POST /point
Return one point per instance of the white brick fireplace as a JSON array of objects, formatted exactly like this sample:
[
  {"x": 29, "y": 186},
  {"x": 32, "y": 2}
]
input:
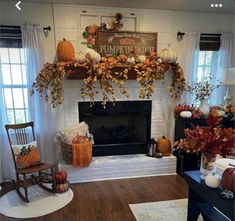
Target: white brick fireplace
[{"x": 160, "y": 104}]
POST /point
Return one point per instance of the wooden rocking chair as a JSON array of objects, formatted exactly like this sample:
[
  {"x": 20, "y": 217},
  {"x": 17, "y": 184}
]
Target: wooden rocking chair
[{"x": 21, "y": 134}]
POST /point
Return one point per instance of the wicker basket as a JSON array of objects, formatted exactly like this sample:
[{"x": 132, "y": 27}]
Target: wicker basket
[
  {"x": 85, "y": 154},
  {"x": 67, "y": 152}
]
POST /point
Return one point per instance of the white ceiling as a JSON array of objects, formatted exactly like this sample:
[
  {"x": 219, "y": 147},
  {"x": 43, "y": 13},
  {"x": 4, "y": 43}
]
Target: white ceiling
[{"x": 185, "y": 5}]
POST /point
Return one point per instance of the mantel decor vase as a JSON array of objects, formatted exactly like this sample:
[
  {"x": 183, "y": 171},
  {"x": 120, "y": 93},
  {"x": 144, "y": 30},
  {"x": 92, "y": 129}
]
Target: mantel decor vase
[
  {"x": 204, "y": 107},
  {"x": 207, "y": 164}
]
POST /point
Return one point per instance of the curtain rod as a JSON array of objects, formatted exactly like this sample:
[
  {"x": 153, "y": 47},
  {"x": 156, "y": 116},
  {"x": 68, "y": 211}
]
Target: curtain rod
[
  {"x": 48, "y": 28},
  {"x": 181, "y": 34}
]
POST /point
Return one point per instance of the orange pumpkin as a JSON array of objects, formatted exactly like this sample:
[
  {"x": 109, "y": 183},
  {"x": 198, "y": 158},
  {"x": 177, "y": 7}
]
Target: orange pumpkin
[
  {"x": 92, "y": 29},
  {"x": 147, "y": 61},
  {"x": 80, "y": 139},
  {"x": 164, "y": 146},
  {"x": 65, "y": 51},
  {"x": 104, "y": 59},
  {"x": 122, "y": 57},
  {"x": 152, "y": 54},
  {"x": 111, "y": 59},
  {"x": 228, "y": 179},
  {"x": 178, "y": 109}
]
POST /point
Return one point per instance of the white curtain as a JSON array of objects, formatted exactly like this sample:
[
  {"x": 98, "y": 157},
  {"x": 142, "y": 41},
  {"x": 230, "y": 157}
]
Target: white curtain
[
  {"x": 189, "y": 54},
  {"x": 225, "y": 59},
  {"x": 7, "y": 171},
  {"x": 41, "y": 112}
]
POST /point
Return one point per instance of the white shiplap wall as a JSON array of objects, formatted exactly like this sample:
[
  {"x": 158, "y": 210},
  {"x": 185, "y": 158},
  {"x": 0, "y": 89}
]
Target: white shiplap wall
[{"x": 70, "y": 21}]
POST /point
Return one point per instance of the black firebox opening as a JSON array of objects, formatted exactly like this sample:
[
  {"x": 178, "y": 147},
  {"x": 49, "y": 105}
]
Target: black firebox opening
[{"x": 120, "y": 128}]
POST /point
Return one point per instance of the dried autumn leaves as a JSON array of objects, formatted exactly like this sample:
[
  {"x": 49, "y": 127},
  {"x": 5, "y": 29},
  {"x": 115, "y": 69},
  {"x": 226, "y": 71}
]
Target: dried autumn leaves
[
  {"x": 103, "y": 76},
  {"x": 48, "y": 83}
]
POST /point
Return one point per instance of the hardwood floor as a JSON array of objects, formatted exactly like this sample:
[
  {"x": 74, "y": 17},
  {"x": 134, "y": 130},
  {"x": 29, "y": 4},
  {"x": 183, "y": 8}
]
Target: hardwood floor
[{"x": 108, "y": 200}]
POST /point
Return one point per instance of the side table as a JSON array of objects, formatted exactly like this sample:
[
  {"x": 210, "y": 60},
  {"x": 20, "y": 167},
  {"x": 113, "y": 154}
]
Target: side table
[{"x": 204, "y": 200}]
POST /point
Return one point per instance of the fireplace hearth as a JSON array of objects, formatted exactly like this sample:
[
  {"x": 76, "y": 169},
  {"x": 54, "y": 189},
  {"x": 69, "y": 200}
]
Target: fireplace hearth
[{"x": 123, "y": 128}]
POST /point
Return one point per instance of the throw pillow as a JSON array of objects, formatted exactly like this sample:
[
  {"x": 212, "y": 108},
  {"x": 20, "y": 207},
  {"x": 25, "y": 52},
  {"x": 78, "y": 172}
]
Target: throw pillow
[{"x": 26, "y": 155}]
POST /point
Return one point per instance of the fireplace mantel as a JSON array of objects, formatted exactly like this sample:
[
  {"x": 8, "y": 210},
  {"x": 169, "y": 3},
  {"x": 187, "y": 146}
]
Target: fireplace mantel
[{"x": 81, "y": 73}]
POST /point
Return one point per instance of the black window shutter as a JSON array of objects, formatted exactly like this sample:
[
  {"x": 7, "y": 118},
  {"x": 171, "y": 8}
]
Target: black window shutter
[
  {"x": 10, "y": 36},
  {"x": 209, "y": 42}
]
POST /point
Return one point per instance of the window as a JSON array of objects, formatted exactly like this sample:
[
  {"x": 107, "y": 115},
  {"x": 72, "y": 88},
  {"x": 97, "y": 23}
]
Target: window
[
  {"x": 13, "y": 85},
  {"x": 205, "y": 64}
]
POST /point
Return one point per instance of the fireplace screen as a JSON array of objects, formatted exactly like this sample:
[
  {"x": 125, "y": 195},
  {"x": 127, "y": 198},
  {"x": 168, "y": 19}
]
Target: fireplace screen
[{"x": 127, "y": 123}]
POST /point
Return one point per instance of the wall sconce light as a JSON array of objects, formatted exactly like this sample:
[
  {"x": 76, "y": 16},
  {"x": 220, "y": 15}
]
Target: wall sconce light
[{"x": 180, "y": 35}]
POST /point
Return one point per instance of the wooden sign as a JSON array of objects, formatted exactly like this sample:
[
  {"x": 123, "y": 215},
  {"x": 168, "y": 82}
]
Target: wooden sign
[{"x": 125, "y": 42}]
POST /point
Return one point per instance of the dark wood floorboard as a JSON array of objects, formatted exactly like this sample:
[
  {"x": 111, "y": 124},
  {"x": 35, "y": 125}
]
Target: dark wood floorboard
[{"x": 108, "y": 200}]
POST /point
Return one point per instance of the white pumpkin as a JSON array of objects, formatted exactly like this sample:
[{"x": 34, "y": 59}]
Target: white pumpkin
[
  {"x": 131, "y": 60},
  {"x": 213, "y": 180},
  {"x": 142, "y": 58},
  {"x": 109, "y": 26},
  {"x": 168, "y": 55},
  {"x": 81, "y": 57},
  {"x": 93, "y": 54},
  {"x": 186, "y": 114}
]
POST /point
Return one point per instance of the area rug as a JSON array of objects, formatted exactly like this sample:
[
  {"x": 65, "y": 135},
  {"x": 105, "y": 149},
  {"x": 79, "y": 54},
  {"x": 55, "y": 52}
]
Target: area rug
[
  {"x": 41, "y": 203},
  {"x": 161, "y": 211}
]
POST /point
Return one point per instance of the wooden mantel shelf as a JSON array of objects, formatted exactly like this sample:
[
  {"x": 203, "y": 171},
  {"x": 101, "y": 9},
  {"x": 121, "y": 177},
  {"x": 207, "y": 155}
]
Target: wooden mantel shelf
[{"x": 81, "y": 73}]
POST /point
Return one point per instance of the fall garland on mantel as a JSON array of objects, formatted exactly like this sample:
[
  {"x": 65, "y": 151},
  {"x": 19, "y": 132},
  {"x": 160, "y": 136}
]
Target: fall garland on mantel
[
  {"x": 49, "y": 81},
  {"x": 107, "y": 71}
]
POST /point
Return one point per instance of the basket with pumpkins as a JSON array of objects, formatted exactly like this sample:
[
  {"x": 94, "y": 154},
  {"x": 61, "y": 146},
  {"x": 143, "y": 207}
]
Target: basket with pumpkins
[{"x": 76, "y": 145}]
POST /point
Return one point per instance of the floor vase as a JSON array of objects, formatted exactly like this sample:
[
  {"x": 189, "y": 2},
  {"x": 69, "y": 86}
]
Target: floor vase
[{"x": 204, "y": 107}]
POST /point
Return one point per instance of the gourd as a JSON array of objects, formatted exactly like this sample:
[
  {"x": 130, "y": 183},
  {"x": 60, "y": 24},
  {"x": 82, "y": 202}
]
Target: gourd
[
  {"x": 164, "y": 146},
  {"x": 186, "y": 114},
  {"x": 168, "y": 55},
  {"x": 212, "y": 180},
  {"x": 65, "y": 51},
  {"x": 228, "y": 179}
]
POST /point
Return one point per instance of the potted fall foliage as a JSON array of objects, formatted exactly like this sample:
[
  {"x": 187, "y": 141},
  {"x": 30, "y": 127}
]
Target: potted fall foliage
[{"x": 210, "y": 141}]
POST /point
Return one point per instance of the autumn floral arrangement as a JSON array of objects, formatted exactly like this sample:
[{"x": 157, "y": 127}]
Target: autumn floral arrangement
[
  {"x": 48, "y": 83},
  {"x": 203, "y": 89},
  {"x": 211, "y": 139},
  {"x": 90, "y": 31}
]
